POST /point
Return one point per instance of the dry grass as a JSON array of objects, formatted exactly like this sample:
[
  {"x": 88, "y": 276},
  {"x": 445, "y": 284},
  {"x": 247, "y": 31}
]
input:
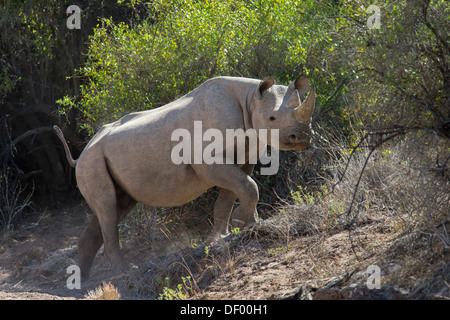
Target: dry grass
[
  {"x": 400, "y": 185},
  {"x": 106, "y": 291}
]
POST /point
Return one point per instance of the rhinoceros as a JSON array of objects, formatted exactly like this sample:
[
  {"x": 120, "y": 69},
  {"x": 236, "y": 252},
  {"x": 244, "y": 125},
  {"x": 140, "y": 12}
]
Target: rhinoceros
[{"x": 129, "y": 160}]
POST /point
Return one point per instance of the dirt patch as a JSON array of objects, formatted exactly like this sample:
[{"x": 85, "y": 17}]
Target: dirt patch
[
  {"x": 34, "y": 258},
  {"x": 261, "y": 263}
]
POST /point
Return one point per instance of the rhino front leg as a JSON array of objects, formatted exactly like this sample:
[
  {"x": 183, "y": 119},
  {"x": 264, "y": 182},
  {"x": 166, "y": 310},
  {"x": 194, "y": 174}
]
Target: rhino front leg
[
  {"x": 235, "y": 182},
  {"x": 240, "y": 217}
]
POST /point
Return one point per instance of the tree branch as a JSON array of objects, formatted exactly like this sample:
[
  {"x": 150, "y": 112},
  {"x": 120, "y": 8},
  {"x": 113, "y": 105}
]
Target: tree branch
[{"x": 24, "y": 135}]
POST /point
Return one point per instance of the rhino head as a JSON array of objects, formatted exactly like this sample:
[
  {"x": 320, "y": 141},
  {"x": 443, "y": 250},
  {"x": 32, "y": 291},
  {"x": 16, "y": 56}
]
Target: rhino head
[{"x": 280, "y": 107}]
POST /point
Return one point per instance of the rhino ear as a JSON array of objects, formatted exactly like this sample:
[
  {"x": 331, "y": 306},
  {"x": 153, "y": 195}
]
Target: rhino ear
[
  {"x": 302, "y": 85},
  {"x": 264, "y": 85}
]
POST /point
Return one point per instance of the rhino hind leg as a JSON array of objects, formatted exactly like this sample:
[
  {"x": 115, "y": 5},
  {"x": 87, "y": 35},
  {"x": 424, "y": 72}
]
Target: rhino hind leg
[
  {"x": 92, "y": 238},
  {"x": 222, "y": 212},
  {"x": 100, "y": 192},
  {"x": 90, "y": 242}
]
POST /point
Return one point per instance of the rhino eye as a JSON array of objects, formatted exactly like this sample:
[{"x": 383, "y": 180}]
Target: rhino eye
[{"x": 272, "y": 118}]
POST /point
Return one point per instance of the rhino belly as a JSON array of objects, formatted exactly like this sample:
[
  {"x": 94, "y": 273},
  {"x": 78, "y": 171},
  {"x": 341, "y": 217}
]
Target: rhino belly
[{"x": 162, "y": 186}]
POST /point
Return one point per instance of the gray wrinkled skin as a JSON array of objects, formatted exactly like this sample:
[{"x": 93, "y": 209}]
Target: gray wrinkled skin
[{"x": 129, "y": 161}]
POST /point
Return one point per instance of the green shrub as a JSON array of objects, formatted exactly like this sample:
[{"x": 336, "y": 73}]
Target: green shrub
[{"x": 183, "y": 43}]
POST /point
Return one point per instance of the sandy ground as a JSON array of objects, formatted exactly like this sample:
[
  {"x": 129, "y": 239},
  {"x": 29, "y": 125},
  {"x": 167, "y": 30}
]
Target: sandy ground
[{"x": 35, "y": 257}]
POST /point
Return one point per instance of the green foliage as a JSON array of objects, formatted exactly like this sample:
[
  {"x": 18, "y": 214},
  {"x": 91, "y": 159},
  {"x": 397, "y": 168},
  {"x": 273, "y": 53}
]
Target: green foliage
[
  {"x": 236, "y": 231},
  {"x": 35, "y": 50},
  {"x": 278, "y": 250},
  {"x": 206, "y": 252},
  {"x": 303, "y": 197},
  {"x": 179, "y": 293},
  {"x": 359, "y": 72},
  {"x": 7, "y": 83},
  {"x": 400, "y": 71},
  {"x": 183, "y": 43}
]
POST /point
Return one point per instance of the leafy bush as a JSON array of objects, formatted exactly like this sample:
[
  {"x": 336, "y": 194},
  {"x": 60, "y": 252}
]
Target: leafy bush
[
  {"x": 400, "y": 72},
  {"x": 183, "y": 43}
]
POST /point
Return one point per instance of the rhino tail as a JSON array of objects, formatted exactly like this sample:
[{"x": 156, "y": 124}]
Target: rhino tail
[{"x": 60, "y": 135}]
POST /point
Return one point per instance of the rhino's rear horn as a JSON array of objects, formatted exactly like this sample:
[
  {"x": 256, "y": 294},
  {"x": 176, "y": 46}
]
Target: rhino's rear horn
[
  {"x": 304, "y": 112},
  {"x": 264, "y": 85}
]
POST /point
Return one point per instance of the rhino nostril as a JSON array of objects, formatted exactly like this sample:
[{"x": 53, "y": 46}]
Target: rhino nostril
[{"x": 292, "y": 137}]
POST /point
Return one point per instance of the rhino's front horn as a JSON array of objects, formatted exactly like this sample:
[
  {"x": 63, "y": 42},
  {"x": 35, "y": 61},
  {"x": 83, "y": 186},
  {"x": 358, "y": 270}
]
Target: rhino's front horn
[{"x": 304, "y": 112}]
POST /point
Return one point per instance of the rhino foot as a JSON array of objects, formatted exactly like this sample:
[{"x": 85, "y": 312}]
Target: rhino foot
[
  {"x": 240, "y": 219},
  {"x": 121, "y": 265},
  {"x": 237, "y": 223}
]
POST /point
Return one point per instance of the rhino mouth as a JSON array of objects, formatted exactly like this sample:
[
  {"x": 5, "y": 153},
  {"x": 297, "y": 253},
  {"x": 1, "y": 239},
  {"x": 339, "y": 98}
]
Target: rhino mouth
[{"x": 288, "y": 145}]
